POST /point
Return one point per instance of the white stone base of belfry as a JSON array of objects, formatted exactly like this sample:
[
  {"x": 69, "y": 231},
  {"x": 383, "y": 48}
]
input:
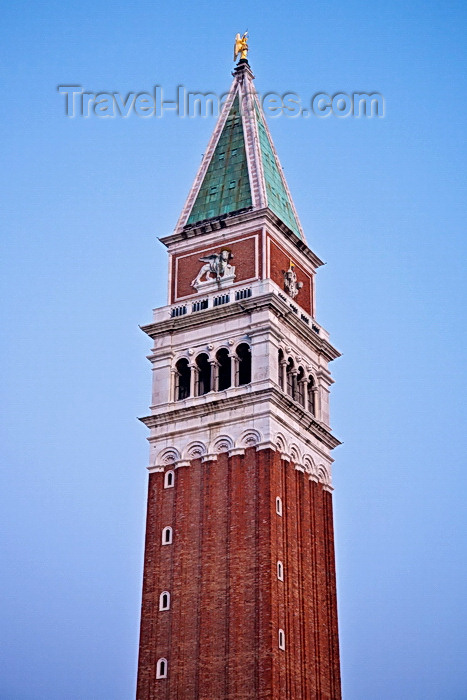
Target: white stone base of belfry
[{"x": 220, "y": 426}]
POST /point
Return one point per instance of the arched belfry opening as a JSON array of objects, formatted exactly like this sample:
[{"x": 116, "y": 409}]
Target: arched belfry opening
[
  {"x": 204, "y": 374},
  {"x": 244, "y": 364},
  {"x": 280, "y": 369},
  {"x": 224, "y": 369},
  {"x": 301, "y": 389},
  {"x": 291, "y": 378},
  {"x": 182, "y": 379},
  {"x": 311, "y": 389}
]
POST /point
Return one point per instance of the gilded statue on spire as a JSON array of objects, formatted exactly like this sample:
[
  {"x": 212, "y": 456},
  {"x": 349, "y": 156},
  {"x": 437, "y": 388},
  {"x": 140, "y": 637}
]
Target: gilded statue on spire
[{"x": 241, "y": 47}]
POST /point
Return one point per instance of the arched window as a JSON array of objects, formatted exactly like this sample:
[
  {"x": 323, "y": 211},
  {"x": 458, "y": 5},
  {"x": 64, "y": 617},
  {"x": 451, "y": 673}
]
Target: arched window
[
  {"x": 167, "y": 535},
  {"x": 281, "y": 640},
  {"x": 301, "y": 386},
  {"x": 291, "y": 378},
  {"x": 182, "y": 379},
  {"x": 311, "y": 395},
  {"x": 280, "y": 378},
  {"x": 279, "y": 506},
  {"x": 169, "y": 479},
  {"x": 161, "y": 668},
  {"x": 204, "y": 374},
  {"x": 244, "y": 364},
  {"x": 164, "y": 600},
  {"x": 224, "y": 369},
  {"x": 280, "y": 571}
]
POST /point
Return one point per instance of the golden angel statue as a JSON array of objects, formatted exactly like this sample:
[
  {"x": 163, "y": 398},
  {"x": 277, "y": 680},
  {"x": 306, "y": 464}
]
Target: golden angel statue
[{"x": 241, "y": 46}]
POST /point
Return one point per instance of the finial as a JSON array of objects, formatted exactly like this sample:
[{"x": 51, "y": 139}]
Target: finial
[{"x": 241, "y": 47}]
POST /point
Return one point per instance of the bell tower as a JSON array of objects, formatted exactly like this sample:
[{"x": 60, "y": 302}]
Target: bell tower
[{"x": 239, "y": 592}]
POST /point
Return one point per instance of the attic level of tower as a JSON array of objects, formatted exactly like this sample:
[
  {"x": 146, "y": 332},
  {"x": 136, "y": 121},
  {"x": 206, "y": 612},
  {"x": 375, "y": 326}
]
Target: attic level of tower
[{"x": 230, "y": 260}]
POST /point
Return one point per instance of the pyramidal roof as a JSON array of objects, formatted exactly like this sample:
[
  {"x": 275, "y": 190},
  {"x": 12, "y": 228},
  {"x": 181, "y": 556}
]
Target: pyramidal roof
[{"x": 240, "y": 169}]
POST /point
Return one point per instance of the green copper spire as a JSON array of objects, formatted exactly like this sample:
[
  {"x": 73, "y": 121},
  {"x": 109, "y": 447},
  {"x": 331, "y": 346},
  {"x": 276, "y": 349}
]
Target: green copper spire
[
  {"x": 226, "y": 186},
  {"x": 240, "y": 168},
  {"x": 277, "y": 196}
]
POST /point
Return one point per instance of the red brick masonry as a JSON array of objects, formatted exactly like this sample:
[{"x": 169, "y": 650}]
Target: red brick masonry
[
  {"x": 220, "y": 636},
  {"x": 185, "y": 266},
  {"x": 279, "y": 263}
]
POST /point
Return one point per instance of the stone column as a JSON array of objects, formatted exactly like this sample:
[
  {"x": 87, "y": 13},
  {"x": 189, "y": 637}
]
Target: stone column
[
  {"x": 233, "y": 369},
  {"x": 214, "y": 375},
  {"x": 193, "y": 379},
  {"x": 294, "y": 373},
  {"x": 174, "y": 379},
  {"x": 304, "y": 384},
  {"x": 284, "y": 375}
]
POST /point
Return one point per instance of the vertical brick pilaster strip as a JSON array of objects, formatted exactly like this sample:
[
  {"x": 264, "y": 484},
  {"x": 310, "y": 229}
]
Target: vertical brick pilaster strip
[
  {"x": 307, "y": 590},
  {"x": 236, "y": 578},
  {"x": 323, "y": 591},
  {"x": 267, "y": 463},
  {"x": 213, "y": 598},
  {"x": 147, "y": 650},
  {"x": 334, "y": 661},
  {"x": 286, "y": 611},
  {"x": 279, "y": 593},
  {"x": 162, "y": 580},
  {"x": 314, "y": 487},
  {"x": 323, "y": 595},
  {"x": 243, "y": 653},
  {"x": 142, "y": 680},
  {"x": 295, "y": 649},
  {"x": 202, "y": 498},
  {"x": 302, "y": 612},
  {"x": 206, "y": 603},
  {"x": 278, "y": 552},
  {"x": 228, "y": 578},
  {"x": 288, "y": 529},
  {"x": 166, "y": 583},
  {"x": 185, "y": 595}
]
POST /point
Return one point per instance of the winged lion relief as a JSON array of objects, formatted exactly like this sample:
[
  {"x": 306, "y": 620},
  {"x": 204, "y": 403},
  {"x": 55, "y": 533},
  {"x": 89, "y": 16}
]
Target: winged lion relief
[{"x": 216, "y": 268}]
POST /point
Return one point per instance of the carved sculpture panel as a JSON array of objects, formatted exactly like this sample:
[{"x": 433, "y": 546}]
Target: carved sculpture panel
[
  {"x": 216, "y": 269},
  {"x": 291, "y": 284}
]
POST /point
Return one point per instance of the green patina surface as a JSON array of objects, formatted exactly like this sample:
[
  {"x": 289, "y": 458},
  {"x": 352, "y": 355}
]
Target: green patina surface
[
  {"x": 278, "y": 199},
  {"x": 226, "y": 186}
]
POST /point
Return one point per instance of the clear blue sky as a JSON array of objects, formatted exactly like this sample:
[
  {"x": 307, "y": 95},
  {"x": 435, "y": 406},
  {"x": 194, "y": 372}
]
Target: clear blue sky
[{"x": 382, "y": 201}]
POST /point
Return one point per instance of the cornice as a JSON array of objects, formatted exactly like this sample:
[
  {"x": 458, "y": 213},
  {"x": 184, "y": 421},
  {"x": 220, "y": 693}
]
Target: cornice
[
  {"x": 264, "y": 216},
  {"x": 221, "y": 313},
  {"x": 271, "y": 394},
  {"x": 305, "y": 419}
]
